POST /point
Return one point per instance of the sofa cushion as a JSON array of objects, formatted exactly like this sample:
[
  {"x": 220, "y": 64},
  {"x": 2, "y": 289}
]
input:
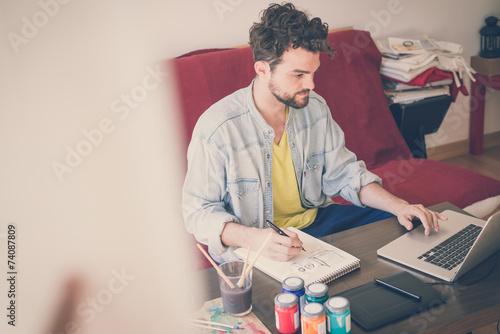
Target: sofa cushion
[
  {"x": 431, "y": 182},
  {"x": 204, "y": 77},
  {"x": 352, "y": 87}
]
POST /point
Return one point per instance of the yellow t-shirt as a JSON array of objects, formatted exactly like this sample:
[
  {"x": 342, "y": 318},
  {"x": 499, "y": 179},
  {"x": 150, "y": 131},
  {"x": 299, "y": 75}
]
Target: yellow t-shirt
[{"x": 288, "y": 210}]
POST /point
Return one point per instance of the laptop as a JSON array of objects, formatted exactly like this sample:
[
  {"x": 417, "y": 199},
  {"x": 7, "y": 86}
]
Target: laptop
[{"x": 461, "y": 243}]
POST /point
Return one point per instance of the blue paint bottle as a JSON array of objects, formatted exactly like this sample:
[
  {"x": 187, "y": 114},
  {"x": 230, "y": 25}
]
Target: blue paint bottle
[{"x": 295, "y": 285}]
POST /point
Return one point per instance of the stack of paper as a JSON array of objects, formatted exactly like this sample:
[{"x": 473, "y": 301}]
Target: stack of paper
[
  {"x": 416, "y": 69},
  {"x": 403, "y": 93}
]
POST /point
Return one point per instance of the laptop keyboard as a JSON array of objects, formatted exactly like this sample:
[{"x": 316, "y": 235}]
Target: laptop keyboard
[{"x": 451, "y": 252}]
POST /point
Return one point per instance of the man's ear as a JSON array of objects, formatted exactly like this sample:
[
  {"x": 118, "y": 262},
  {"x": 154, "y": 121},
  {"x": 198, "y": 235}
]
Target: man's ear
[{"x": 262, "y": 68}]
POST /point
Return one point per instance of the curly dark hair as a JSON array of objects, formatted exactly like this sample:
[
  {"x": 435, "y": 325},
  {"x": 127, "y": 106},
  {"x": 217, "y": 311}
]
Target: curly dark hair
[{"x": 282, "y": 27}]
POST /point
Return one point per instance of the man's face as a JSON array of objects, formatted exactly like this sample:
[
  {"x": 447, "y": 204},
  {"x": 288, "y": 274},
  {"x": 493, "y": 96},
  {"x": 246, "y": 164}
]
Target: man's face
[{"x": 292, "y": 79}]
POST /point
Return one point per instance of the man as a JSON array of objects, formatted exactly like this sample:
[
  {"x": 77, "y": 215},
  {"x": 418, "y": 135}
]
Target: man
[{"x": 272, "y": 151}]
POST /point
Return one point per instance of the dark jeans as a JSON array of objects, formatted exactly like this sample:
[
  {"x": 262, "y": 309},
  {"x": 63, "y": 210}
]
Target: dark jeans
[{"x": 336, "y": 218}]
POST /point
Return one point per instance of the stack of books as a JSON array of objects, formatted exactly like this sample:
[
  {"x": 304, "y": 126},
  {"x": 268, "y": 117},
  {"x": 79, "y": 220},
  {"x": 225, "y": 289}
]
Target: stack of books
[
  {"x": 397, "y": 92},
  {"x": 417, "y": 69}
]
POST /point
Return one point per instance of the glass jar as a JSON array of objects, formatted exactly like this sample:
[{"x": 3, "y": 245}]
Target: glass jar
[
  {"x": 338, "y": 315},
  {"x": 286, "y": 311},
  {"x": 313, "y": 319},
  {"x": 295, "y": 285},
  {"x": 317, "y": 293}
]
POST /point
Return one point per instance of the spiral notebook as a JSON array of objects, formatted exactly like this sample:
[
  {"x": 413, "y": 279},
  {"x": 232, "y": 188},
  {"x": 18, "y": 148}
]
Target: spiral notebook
[{"x": 321, "y": 262}]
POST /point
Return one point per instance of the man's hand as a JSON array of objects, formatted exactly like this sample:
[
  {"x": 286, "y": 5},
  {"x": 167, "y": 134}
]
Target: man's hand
[
  {"x": 377, "y": 197},
  {"x": 279, "y": 247},
  {"x": 429, "y": 218}
]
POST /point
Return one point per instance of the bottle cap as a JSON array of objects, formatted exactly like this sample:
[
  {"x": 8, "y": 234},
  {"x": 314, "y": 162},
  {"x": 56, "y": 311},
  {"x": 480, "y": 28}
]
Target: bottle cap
[
  {"x": 337, "y": 304},
  {"x": 317, "y": 289},
  {"x": 286, "y": 300},
  {"x": 313, "y": 310},
  {"x": 293, "y": 284}
]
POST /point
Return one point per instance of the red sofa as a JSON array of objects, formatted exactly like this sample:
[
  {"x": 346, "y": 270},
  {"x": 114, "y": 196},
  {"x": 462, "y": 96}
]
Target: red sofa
[{"x": 352, "y": 87}]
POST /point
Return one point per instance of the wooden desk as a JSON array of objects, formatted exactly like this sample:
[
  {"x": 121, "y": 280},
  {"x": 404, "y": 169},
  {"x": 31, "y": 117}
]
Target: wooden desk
[
  {"x": 477, "y": 102},
  {"x": 467, "y": 307}
]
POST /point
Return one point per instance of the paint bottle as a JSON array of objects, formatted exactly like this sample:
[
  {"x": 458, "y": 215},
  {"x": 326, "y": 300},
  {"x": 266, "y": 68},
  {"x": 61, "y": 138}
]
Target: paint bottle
[
  {"x": 313, "y": 319},
  {"x": 338, "y": 315},
  {"x": 286, "y": 312},
  {"x": 316, "y": 293},
  {"x": 295, "y": 285}
]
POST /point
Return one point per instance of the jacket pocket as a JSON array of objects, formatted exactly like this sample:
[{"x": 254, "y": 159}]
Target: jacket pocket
[
  {"x": 244, "y": 199},
  {"x": 315, "y": 163}
]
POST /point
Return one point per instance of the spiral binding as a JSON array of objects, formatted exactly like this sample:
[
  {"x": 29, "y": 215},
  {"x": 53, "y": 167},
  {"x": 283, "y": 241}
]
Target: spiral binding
[{"x": 339, "y": 272}]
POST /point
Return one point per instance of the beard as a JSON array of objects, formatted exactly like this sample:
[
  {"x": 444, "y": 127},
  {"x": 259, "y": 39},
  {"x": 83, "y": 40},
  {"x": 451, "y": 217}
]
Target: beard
[{"x": 291, "y": 100}]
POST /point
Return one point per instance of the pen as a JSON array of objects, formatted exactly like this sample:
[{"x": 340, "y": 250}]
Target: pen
[
  {"x": 280, "y": 231},
  {"x": 395, "y": 288}
]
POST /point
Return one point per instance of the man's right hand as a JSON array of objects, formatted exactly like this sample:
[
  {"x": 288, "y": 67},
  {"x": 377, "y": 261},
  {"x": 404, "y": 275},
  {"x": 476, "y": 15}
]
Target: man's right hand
[{"x": 279, "y": 247}]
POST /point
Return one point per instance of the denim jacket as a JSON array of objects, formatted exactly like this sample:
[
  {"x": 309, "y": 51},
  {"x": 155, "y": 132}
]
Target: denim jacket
[{"x": 230, "y": 166}]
